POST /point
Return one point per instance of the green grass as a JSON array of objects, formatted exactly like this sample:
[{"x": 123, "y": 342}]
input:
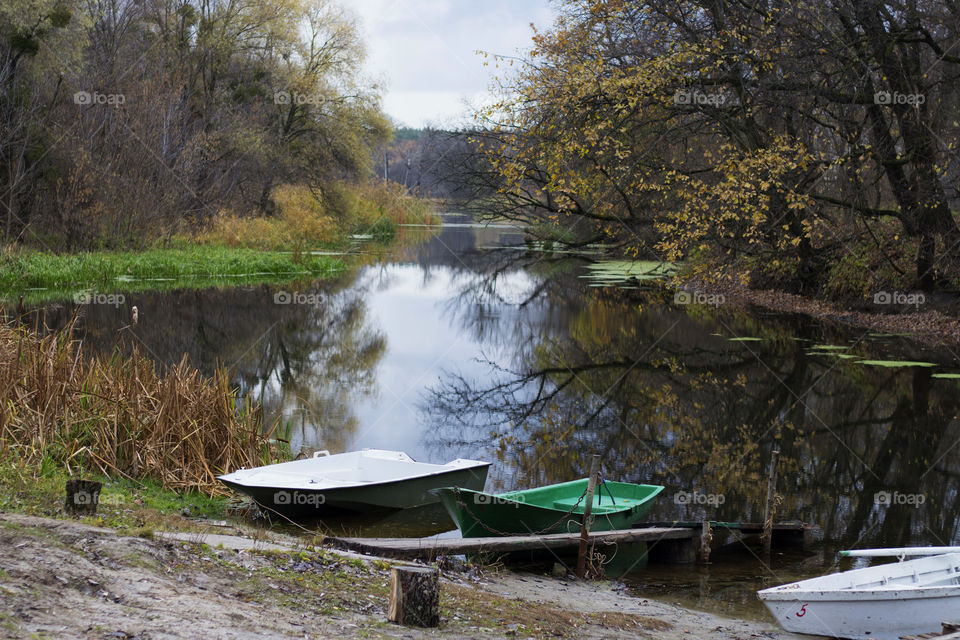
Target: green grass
[
  {"x": 128, "y": 505},
  {"x": 42, "y": 276}
]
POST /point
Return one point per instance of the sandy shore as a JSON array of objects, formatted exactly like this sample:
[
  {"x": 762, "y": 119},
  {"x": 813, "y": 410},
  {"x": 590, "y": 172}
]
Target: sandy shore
[{"x": 65, "y": 579}]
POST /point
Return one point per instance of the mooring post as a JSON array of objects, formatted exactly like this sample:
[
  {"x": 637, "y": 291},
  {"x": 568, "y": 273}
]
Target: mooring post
[
  {"x": 768, "y": 515},
  {"x": 587, "y": 510},
  {"x": 706, "y": 540}
]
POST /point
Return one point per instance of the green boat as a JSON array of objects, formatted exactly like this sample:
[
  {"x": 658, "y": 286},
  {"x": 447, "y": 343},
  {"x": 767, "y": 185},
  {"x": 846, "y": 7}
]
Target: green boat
[{"x": 555, "y": 508}]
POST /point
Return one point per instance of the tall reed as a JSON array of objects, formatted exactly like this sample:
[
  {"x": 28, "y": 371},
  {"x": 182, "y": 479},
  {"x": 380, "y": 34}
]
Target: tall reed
[{"x": 120, "y": 415}]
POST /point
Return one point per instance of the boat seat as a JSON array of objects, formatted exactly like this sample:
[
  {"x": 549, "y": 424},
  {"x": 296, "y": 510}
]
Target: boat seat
[{"x": 567, "y": 503}]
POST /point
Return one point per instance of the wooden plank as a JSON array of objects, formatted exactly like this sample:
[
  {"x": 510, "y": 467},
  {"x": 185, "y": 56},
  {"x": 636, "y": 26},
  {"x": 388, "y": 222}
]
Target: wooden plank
[
  {"x": 432, "y": 547},
  {"x": 743, "y": 526}
]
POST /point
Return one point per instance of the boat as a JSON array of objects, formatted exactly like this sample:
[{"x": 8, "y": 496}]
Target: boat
[
  {"x": 555, "y": 508},
  {"x": 899, "y": 552},
  {"x": 883, "y": 602},
  {"x": 357, "y": 481}
]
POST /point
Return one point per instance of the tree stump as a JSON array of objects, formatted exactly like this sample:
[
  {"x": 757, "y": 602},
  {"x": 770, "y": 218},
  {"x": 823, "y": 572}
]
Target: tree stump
[
  {"x": 82, "y": 497},
  {"x": 414, "y": 596}
]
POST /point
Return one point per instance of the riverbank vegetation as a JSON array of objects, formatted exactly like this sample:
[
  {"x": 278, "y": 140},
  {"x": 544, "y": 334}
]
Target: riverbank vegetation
[
  {"x": 121, "y": 416},
  {"x": 151, "y": 268},
  {"x": 800, "y": 145},
  {"x": 131, "y": 126}
]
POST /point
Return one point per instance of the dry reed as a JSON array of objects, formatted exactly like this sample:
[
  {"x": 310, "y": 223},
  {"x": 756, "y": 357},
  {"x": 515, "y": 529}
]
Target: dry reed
[{"x": 120, "y": 416}]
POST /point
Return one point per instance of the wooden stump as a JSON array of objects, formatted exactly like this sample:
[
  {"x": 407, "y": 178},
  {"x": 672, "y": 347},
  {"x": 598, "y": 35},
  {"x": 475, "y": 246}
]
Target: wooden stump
[
  {"x": 414, "y": 596},
  {"x": 82, "y": 497}
]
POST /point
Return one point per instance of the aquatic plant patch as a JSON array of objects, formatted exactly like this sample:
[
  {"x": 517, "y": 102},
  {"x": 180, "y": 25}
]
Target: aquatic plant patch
[
  {"x": 893, "y": 364},
  {"x": 612, "y": 273}
]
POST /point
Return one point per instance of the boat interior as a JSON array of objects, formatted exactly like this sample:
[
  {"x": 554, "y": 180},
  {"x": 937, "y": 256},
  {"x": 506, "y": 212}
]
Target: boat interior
[
  {"x": 609, "y": 496},
  {"x": 932, "y": 571},
  {"x": 354, "y": 468}
]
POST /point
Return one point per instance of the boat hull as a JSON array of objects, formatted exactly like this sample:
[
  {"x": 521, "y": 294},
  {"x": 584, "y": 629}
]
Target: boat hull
[
  {"x": 886, "y": 619},
  {"x": 480, "y": 514},
  {"x": 883, "y": 602},
  {"x": 305, "y": 497}
]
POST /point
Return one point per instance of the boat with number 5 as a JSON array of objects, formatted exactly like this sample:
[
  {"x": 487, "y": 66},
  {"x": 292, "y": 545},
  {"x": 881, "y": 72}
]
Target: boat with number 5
[
  {"x": 883, "y": 602},
  {"x": 555, "y": 508}
]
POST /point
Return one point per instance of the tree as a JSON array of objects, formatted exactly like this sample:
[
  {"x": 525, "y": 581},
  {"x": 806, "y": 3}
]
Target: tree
[{"x": 778, "y": 135}]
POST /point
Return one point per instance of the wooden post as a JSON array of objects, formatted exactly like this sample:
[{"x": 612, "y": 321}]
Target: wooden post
[
  {"x": 771, "y": 506},
  {"x": 414, "y": 596},
  {"x": 706, "y": 538},
  {"x": 82, "y": 497},
  {"x": 587, "y": 510}
]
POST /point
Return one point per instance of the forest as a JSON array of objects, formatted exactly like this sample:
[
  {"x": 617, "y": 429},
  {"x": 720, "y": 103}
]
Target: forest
[{"x": 122, "y": 122}]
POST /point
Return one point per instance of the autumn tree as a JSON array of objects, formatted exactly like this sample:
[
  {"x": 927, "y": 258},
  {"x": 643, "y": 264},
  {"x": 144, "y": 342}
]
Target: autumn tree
[{"x": 773, "y": 138}]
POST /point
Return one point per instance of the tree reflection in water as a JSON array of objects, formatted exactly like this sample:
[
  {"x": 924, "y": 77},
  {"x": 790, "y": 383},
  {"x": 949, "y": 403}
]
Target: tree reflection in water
[
  {"x": 665, "y": 397},
  {"x": 302, "y": 360}
]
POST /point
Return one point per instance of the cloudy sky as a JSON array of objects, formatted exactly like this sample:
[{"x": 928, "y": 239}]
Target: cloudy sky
[{"x": 423, "y": 51}]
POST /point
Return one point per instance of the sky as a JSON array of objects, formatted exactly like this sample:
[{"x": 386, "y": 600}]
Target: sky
[{"x": 423, "y": 51}]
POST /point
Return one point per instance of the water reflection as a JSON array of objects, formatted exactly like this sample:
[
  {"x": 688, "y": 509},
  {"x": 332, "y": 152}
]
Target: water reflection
[
  {"x": 306, "y": 352},
  {"x": 664, "y": 395}
]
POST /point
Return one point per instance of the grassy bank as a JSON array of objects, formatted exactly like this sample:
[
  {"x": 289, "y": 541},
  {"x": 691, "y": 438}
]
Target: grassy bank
[
  {"x": 303, "y": 221},
  {"x": 196, "y": 266},
  {"x": 230, "y": 249},
  {"x": 131, "y": 506}
]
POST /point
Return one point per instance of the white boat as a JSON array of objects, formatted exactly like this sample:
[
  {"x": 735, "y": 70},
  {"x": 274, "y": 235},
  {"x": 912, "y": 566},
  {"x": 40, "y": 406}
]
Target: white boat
[
  {"x": 899, "y": 552},
  {"x": 367, "y": 480},
  {"x": 882, "y": 602}
]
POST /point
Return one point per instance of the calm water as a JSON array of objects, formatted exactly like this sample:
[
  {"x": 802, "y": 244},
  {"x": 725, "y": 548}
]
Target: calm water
[{"x": 462, "y": 346}]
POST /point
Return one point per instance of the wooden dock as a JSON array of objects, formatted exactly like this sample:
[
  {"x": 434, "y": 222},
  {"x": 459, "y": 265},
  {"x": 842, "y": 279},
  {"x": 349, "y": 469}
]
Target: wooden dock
[
  {"x": 430, "y": 548},
  {"x": 668, "y": 542},
  {"x": 798, "y": 534}
]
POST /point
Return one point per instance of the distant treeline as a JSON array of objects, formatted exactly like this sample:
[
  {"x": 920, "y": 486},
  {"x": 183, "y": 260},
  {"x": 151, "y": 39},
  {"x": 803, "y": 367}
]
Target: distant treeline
[{"x": 122, "y": 120}]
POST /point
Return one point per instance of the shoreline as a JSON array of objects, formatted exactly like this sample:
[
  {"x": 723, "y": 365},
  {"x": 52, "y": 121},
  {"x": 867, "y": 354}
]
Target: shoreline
[
  {"x": 931, "y": 326},
  {"x": 256, "y": 584}
]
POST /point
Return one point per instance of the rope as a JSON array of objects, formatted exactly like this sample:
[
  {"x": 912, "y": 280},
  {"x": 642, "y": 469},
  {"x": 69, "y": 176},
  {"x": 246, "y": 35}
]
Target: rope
[{"x": 463, "y": 507}]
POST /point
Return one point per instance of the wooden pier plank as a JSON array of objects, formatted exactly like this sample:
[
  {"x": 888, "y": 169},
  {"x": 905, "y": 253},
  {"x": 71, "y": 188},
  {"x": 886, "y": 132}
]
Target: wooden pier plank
[
  {"x": 432, "y": 547},
  {"x": 742, "y": 526}
]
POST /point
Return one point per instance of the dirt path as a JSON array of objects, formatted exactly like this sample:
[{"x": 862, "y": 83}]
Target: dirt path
[{"x": 64, "y": 579}]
